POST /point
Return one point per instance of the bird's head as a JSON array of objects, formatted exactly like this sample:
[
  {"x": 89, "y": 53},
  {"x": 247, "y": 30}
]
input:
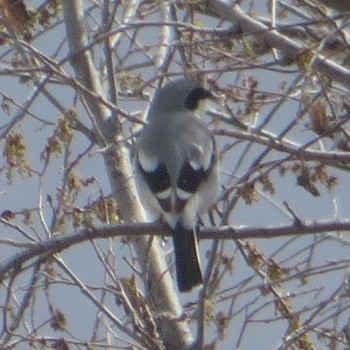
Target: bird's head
[{"x": 179, "y": 95}]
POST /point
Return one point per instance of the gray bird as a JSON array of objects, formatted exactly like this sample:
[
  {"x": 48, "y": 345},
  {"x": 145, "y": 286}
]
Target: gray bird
[{"x": 177, "y": 170}]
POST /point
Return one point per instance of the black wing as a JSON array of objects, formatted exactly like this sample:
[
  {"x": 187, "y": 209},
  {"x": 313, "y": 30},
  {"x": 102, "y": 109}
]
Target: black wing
[
  {"x": 189, "y": 180},
  {"x": 158, "y": 181}
]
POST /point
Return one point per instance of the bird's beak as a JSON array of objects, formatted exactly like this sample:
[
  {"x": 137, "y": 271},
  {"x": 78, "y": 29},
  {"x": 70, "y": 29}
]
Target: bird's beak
[{"x": 216, "y": 99}]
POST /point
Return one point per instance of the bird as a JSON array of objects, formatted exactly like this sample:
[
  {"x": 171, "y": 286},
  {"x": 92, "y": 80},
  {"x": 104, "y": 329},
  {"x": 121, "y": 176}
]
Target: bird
[{"x": 177, "y": 170}]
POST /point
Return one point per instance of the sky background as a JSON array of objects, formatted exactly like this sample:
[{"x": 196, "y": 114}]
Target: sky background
[{"x": 269, "y": 210}]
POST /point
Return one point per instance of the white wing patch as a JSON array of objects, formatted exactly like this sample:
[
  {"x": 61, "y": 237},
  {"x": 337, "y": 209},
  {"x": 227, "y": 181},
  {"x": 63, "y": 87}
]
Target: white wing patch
[
  {"x": 148, "y": 163},
  {"x": 164, "y": 194},
  {"x": 184, "y": 195},
  {"x": 200, "y": 157}
]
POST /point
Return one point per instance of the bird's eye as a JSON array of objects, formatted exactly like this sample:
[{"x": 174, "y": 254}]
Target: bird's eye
[{"x": 196, "y": 95}]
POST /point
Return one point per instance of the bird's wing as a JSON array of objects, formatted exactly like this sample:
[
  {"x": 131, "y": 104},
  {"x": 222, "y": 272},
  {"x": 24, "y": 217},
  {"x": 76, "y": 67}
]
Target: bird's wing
[
  {"x": 156, "y": 176},
  {"x": 199, "y": 162}
]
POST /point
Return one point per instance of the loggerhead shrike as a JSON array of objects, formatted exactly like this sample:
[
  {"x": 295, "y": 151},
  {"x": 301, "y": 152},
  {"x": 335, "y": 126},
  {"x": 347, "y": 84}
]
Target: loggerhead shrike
[{"x": 177, "y": 170}]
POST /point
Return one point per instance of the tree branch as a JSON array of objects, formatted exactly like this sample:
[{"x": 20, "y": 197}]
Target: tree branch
[
  {"x": 175, "y": 333},
  {"x": 57, "y": 245},
  {"x": 288, "y": 47}
]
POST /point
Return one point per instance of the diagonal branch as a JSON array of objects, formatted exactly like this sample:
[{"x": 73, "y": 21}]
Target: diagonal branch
[
  {"x": 275, "y": 39},
  {"x": 175, "y": 333}
]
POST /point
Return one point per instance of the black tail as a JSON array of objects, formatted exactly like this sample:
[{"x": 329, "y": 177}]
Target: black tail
[{"x": 187, "y": 262}]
